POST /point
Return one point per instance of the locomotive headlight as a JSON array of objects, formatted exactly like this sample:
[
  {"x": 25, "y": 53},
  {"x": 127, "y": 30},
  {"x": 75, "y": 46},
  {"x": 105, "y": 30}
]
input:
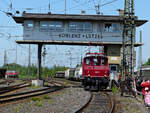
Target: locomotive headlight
[{"x": 88, "y": 75}]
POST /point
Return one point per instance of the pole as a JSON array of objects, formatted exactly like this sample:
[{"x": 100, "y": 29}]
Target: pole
[
  {"x": 5, "y": 58},
  {"x": 39, "y": 61},
  {"x": 132, "y": 38},
  {"x": 140, "y": 55},
  {"x": 29, "y": 63},
  {"x": 124, "y": 42},
  {"x": 128, "y": 33},
  {"x": 29, "y": 59},
  {"x": 65, "y": 6},
  {"x": 16, "y": 58}
]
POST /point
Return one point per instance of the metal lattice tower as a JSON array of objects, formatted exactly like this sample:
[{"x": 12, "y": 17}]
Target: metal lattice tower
[{"x": 128, "y": 37}]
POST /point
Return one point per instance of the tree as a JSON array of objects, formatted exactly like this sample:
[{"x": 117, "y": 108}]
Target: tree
[
  {"x": 148, "y": 62},
  {"x": 23, "y": 70}
]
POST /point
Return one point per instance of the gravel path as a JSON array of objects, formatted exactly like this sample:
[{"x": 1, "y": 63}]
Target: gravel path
[
  {"x": 65, "y": 101},
  {"x": 128, "y": 104}
]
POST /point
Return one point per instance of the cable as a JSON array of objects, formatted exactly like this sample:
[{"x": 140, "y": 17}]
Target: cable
[
  {"x": 41, "y": 7},
  {"x": 76, "y": 1},
  {"x": 108, "y": 3},
  {"x": 86, "y": 2},
  {"x": 94, "y": 2}
]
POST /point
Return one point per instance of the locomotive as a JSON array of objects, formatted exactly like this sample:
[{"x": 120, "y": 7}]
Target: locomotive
[{"x": 95, "y": 70}]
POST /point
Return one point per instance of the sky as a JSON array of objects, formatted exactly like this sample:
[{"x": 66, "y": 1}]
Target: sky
[{"x": 59, "y": 55}]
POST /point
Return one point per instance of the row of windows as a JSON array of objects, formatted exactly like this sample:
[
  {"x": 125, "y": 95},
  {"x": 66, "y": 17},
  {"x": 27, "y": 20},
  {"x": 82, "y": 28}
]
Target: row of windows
[
  {"x": 57, "y": 26},
  {"x": 80, "y": 27},
  {"x": 95, "y": 61},
  {"x": 52, "y": 26}
]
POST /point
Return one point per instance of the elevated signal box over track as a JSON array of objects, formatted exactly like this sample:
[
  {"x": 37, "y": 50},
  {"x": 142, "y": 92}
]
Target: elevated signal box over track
[{"x": 71, "y": 29}]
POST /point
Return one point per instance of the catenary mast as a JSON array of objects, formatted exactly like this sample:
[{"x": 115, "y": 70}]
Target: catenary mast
[{"x": 128, "y": 38}]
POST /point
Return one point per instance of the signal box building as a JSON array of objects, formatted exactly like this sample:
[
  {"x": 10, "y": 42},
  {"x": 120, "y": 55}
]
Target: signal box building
[{"x": 67, "y": 29}]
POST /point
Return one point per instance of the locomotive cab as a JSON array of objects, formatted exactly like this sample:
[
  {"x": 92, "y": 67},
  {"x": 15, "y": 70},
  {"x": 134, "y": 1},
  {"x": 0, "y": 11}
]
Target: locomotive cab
[{"x": 95, "y": 70}]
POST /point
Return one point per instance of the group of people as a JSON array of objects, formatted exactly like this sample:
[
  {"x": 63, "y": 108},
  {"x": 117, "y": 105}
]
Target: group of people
[
  {"x": 142, "y": 86},
  {"x": 127, "y": 85}
]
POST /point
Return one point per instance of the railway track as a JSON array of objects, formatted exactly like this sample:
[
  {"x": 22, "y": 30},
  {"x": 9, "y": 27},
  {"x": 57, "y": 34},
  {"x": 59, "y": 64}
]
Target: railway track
[
  {"x": 100, "y": 102},
  {"x": 22, "y": 95},
  {"x": 68, "y": 82},
  {"x": 6, "y": 81},
  {"x": 7, "y": 89}
]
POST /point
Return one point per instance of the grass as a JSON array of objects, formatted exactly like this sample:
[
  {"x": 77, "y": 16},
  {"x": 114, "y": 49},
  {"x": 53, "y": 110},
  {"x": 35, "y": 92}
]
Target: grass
[
  {"x": 66, "y": 83},
  {"x": 26, "y": 76},
  {"x": 34, "y": 87},
  {"x": 46, "y": 97},
  {"x": 58, "y": 94},
  {"x": 45, "y": 83},
  {"x": 50, "y": 101},
  {"x": 127, "y": 108},
  {"x": 16, "y": 108},
  {"x": 114, "y": 90},
  {"x": 39, "y": 103},
  {"x": 36, "y": 99},
  {"x": 20, "y": 81}
]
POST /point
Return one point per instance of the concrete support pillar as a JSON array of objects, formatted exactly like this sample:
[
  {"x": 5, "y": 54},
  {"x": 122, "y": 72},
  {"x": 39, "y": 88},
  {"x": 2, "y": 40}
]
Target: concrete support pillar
[{"x": 39, "y": 61}]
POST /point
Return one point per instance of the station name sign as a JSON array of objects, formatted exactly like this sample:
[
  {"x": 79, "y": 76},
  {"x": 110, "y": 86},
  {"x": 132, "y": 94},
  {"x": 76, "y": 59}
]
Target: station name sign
[
  {"x": 67, "y": 36},
  {"x": 78, "y": 35}
]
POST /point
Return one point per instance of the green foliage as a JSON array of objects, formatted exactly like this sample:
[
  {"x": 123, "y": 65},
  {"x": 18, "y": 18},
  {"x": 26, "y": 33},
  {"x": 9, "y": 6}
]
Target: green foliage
[
  {"x": 50, "y": 101},
  {"x": 148, "y": 62},
  {"x": 31, "y": 71},
  {"x": 55, "y": 69},
  {"x": 46, "y": 83},
  {"x": 16, "y": 108},
  {"x": 36, "y": 99},
  {"x": 114, "y": 90},
  {"x": 46, "y": 97},
  {"x": 39, "y": 103},
  {"x": 126, "y": 108},
  {"x": 78, "y": 65}
]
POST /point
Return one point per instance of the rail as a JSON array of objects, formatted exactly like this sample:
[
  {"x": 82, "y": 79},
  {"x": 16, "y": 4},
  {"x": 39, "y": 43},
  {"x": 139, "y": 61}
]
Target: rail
[{"x": 97, "y": 102}]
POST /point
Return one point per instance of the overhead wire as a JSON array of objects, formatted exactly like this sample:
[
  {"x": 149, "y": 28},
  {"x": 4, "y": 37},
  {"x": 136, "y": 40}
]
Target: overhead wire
[
  {"x": 86, "y": 2},
  {"x": 108, "y": 3},
  {"x": 43, "y": 7},
  {"x": 76, "y": 1},
  {"x": 94, "y": 2},
  {"x": 94, "y": 5}
]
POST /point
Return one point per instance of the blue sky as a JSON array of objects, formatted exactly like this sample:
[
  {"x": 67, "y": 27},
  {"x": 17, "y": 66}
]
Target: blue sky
[{"x": 56, "y": 53}]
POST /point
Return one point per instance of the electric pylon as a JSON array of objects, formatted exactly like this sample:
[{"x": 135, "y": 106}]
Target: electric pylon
[{"x": 128, "y": 37}]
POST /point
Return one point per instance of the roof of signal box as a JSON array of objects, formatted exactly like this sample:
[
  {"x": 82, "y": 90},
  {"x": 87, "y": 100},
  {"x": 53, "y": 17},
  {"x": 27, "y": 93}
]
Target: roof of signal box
[{"x": 76, "y": 17}]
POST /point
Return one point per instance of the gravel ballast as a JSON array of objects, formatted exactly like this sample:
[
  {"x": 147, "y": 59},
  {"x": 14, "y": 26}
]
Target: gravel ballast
[{"x": 67, "y": 100}]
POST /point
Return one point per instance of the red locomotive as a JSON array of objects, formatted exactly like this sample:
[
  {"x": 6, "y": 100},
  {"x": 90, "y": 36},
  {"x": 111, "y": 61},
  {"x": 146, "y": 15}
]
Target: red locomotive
[{"x": 95, "y": 70}]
